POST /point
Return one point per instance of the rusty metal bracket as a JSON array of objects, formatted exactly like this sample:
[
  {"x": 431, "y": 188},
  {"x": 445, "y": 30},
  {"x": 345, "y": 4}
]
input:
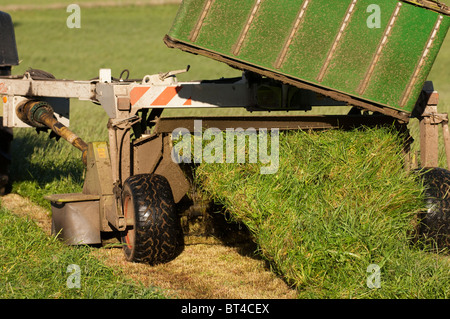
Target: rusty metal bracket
[
  {"x": 123, "y": 124},
  {"x": 429, "y": 132}
]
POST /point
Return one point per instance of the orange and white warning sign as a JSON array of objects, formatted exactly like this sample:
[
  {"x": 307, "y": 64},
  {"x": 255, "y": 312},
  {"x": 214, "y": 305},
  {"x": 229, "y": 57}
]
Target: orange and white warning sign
[
  {"x": 192, "y": 94},
  {"x": 146, "y": 96}
]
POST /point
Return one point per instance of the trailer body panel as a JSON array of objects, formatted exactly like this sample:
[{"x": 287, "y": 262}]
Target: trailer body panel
[{"x": 379, "y": 51}]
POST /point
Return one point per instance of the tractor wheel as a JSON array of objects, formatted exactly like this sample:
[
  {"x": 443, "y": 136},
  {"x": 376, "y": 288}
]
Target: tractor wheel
[
  {"x": 435, "y": 222},
  {"x": 154, "y": 233},
  {"x": 6, "y": 136}
]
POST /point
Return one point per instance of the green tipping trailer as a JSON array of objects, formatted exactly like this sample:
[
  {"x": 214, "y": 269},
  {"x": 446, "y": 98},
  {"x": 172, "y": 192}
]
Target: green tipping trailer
[{"x": 375, "y": 54}]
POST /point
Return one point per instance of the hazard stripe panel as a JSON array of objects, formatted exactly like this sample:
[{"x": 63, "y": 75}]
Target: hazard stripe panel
[
  {"x": 166, "y": 96},
  {"x": 189, "y": 94},
  {"x": 137, "y": 92}
]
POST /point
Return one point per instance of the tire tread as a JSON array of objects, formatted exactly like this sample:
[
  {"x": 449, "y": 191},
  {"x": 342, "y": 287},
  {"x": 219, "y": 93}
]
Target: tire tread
[{"x": 158, "y": 233}]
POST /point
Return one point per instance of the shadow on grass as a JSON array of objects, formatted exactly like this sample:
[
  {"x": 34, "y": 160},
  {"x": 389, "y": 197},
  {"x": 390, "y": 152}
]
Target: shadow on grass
[
  {"x": 26, "y": 166},
  {"x": 217, "y": 223},
  {"x": 211, "y": 220}
]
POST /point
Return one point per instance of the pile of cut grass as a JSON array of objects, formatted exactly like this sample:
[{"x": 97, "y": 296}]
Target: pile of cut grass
[
  {"x": 36, "y": 266},
  {"x": 340, "y": 201}
]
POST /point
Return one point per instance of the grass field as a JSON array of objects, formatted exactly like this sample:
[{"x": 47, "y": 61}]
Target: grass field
[
  {"x": 131, "y": 37},
  {"x": 36, "y": 266}
]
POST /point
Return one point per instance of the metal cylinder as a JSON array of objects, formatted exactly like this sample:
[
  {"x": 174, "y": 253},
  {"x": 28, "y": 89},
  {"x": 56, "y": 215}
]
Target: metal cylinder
[{"x": 40, "y": 114}]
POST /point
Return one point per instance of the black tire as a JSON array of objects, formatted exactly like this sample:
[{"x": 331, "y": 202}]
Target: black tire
[
  {"x": 6, "y": 136},
  {"x": 155, "y": 235},
  {"x": 435, "y": 223}
]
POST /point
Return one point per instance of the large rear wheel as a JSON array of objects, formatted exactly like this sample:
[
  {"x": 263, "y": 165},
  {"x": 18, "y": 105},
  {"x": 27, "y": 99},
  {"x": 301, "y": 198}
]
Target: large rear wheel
[{"x": 154, "y": 233}]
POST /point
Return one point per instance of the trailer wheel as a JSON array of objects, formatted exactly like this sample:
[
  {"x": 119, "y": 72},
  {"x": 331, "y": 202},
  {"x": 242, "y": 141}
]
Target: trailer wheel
[
  {"x": 154, "y": 234},
  {"x": 6, "y": 137},
  {"x": 435, "y": 222}
]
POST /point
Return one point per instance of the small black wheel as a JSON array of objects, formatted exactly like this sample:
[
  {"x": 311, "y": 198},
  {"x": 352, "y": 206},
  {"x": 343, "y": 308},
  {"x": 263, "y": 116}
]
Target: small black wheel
[
  {"x": 154, "y": 234},
  {"x": 435, "y": 222}
]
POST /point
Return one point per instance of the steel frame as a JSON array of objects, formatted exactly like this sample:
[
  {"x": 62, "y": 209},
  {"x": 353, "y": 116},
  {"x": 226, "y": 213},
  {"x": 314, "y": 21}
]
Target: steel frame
[{"x": 140, "y": 139}]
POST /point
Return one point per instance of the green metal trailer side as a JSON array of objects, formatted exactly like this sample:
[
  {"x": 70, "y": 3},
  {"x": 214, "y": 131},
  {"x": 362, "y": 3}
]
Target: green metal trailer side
[{"x": 378, "y": 51}]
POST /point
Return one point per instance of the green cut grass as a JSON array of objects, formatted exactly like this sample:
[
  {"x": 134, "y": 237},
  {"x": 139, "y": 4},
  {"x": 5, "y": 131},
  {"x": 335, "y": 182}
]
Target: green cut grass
[
  {"x": 35, "y": 266},
  {"x": 339, "y": 202}
]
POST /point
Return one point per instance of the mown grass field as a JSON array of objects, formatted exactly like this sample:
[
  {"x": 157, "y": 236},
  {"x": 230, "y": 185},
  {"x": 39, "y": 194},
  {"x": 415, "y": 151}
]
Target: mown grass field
[
  {"x": 36, "y": 266},
  {"x": 347, "y": 229}
]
